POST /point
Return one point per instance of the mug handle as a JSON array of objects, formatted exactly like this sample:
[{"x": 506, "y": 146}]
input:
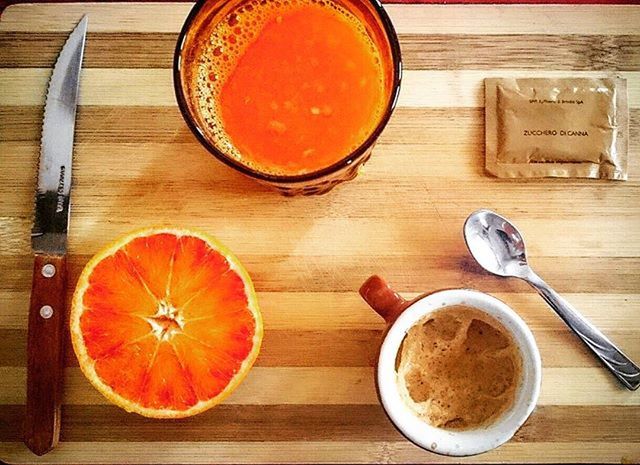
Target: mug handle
[{"x": 385, "y": 301}]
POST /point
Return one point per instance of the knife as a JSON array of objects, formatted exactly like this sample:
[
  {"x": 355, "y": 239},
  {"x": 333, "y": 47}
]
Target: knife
[{"x": 49, "y": 241}]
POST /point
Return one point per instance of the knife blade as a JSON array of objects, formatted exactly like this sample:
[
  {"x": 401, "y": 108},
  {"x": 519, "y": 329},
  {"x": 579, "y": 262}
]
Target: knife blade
[{"x": 49, "y": 243}]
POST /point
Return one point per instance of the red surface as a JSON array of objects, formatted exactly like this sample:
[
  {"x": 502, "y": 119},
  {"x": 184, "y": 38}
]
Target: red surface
[{"x": 5, "y": 3}]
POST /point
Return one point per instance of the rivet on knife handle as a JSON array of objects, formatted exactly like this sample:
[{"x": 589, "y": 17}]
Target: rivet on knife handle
[{"x": 45, "y": 353}]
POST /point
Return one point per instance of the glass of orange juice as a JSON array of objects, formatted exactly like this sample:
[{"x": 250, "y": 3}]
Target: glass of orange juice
[{"x": 293, "y": 93}]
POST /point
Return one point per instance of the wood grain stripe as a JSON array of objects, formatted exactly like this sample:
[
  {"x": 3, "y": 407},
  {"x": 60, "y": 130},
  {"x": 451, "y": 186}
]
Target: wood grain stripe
[
  {"x": 102, "y": 50},
  {"x": 419, "y": 52},
  {"x": 333, "y": 273},
  {"x": 142, "y": 124},
  {"x": 337, "y": 348},
  {"x": 306, "y": 311},
  {"x": 145, "y": 136},
  {"x": 617, "y": 238},
  {"x": 535, "y": 52},
  {"x": 344, "y": 386},
  {"x": 353, "y": 348},
  {"x": 407, "y": 19},
  {"x": 465, "y": 88},
  {"x": 312, "y": 423},
  {"x": 207, "y": 187},
  {"x": 154, "y": 87},
  {"x": 318, "y": 452}
]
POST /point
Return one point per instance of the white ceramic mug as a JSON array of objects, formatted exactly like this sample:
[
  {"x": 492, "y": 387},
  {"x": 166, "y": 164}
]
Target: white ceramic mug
[{"x": 400, "y": 316}]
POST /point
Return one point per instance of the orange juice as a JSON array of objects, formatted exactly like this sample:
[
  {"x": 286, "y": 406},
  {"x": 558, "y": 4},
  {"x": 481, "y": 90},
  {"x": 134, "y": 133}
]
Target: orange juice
[{"x": 289, "y": 87}]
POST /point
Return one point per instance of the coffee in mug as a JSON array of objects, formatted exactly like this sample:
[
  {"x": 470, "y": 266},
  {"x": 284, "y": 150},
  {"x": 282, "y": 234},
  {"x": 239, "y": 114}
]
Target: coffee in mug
[{"x": 458, "y": 368}]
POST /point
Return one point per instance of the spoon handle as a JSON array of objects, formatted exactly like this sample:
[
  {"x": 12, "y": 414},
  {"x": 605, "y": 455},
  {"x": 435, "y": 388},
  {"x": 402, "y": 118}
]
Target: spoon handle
[{"x": 618, "y": 363}]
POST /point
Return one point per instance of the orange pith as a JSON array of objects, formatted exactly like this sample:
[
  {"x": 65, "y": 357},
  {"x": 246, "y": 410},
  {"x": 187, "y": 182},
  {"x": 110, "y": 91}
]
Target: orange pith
[{"x": 165, "y": 322}]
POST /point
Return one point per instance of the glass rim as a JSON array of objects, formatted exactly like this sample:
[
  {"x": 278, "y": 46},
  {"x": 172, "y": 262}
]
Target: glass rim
[{"x": 354, "y": 155}]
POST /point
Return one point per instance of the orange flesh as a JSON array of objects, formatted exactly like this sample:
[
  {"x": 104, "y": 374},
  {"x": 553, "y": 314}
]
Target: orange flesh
[
  {"x": 166, "y": 321},
  {"x": 305, "y": 92}
]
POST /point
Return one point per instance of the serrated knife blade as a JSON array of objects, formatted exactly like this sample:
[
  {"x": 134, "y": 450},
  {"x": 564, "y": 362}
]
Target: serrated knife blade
[
  {"x": 56, "y": 148},
  {"x": 49, "y": 241}
]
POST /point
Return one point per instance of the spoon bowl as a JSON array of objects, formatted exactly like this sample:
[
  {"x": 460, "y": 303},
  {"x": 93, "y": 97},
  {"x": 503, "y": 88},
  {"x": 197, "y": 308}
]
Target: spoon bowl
[{"x": 496, "y": 244}]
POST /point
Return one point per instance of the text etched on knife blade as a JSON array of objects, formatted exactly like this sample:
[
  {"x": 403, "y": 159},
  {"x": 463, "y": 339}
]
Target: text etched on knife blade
[{"x": 60, "y": 192}]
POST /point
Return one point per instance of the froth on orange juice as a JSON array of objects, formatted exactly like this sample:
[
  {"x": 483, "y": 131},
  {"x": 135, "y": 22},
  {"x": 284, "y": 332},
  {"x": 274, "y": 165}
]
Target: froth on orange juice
[{"x": 290, "y": 87}]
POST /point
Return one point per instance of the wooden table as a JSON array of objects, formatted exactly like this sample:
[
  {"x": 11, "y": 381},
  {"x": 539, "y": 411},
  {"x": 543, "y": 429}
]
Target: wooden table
[{"x": 311, "y": 396}]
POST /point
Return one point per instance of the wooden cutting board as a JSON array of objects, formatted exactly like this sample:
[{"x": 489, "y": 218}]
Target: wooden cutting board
[{"x": 311, "y": 395}]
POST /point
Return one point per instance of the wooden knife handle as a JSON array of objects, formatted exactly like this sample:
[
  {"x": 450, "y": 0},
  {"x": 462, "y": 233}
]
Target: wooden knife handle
[{"x": 45, "y": 353}]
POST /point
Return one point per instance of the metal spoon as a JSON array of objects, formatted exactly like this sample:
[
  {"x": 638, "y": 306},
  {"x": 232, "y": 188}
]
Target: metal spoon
[{"x": 498, "y": 247}]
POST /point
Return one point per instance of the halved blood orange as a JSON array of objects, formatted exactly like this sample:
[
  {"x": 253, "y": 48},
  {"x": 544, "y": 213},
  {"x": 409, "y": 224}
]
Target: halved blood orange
[{"x": 165, "y": 322}]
